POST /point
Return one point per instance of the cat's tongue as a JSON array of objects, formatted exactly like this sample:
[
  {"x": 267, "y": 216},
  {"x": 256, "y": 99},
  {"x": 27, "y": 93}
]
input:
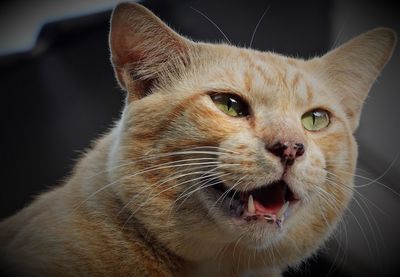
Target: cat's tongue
[
  {"x": 269, "y": 200},
  {"x": 272, "y": 208}
]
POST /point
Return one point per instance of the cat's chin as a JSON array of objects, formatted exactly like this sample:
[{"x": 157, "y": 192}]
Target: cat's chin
[{"x": 267, "y": 207}]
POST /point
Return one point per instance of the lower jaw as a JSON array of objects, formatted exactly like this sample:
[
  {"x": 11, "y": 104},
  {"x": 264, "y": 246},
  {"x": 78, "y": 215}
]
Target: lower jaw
[
  {"x": 274, "y": 223},
  {"x": 259, "y": 234}
]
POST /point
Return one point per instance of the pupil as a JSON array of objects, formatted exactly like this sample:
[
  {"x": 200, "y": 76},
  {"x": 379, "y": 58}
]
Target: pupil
[{"x": 229, "y": 104}]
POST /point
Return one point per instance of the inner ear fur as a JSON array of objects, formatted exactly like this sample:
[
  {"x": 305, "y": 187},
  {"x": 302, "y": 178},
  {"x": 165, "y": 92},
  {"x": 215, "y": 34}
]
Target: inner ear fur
[
  {"x": 144, "y": 50},
  {"x": 351, "y": 69}
]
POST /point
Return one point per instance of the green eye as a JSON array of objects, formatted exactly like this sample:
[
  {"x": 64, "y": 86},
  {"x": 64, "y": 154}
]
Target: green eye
[
  {"x": 230, "y": 104},
  {"x": 315, "y": 120}
]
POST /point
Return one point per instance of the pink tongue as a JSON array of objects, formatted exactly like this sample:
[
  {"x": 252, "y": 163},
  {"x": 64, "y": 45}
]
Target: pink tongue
[{"x": 271, "y": 208}]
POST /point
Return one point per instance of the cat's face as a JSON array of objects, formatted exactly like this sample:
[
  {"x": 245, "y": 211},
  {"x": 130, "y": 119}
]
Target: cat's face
[{"x": 230, "y": 147}]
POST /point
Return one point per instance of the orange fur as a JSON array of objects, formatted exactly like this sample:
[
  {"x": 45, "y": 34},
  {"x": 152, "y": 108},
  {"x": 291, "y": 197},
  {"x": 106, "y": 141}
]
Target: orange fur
[{"x": 131, "y": 209}]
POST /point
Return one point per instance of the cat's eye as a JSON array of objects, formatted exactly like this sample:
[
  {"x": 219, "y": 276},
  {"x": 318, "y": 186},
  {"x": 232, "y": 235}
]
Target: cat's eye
[
  {"x": 315, "y": 120},
  {"x": 230, "y": 104}
]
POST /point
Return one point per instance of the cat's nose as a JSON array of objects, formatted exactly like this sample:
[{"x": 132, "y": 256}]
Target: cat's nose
[{"x": 288, "y": 151}]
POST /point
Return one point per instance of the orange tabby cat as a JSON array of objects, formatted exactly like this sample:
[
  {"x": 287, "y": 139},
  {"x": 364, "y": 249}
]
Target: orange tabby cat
[{"x": 226, "y": 161}]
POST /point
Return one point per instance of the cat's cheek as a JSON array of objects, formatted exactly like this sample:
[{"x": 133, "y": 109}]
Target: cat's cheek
[{"x": 228, "y": 226}]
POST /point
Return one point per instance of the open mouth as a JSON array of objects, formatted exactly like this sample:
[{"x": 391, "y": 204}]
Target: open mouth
[{"x": 270, "y": 202}]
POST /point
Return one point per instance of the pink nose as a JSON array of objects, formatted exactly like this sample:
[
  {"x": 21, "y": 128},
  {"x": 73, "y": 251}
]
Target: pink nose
[{"x": 288, "y": 151}]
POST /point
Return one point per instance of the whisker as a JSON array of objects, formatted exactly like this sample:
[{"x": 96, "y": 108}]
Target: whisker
[
  {"x": 384, "y": 173},
  {"x": 368, "y": 222},
  {"x": 196, "y": 185},
  {"x": 212, "y": 22},
  {"x": 355, "y": 191},
  {"x": 372, "y": 181},
  {"x": 208, "y": 183},
  {"x": 233, "y": 196},
  {"x": 336, "y": 41},
  {"x": 362, "y": 231},
  {"x": 215, "y": 147},
  {"x": 169, "y": 178},
  {"x": 191, "y": 180},
  {"x": 187, "y": 151},
  {"x": 367, "y": 218},
  {"x": 155, "y": 196},
  {"x": 328, "y": 200},
  {"x": 149, "y": 169},
  {"x": 258, "y": 24},
  {"x": 207, "y": 179},
  {"x": 225, "y": 194},
  {"x": 337, "y": 263}
]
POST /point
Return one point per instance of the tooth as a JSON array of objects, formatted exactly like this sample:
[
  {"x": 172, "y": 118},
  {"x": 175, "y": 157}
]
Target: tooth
[
  {"x": 282, "y": 210},
  {"x": 250, "y": 205},
  {"x": 269, "y": 218}
]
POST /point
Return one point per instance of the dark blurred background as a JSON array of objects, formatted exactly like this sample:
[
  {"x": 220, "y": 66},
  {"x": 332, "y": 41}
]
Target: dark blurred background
[{"x": 58, "y": 93}]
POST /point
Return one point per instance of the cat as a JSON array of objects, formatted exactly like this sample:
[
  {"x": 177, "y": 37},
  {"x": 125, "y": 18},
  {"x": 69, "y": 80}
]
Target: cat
[{"x": 225, "y": 162}]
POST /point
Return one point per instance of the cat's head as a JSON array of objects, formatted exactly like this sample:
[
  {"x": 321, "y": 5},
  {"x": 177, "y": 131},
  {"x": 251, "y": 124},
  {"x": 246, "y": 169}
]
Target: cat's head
[{"x": 224, "y": 147}]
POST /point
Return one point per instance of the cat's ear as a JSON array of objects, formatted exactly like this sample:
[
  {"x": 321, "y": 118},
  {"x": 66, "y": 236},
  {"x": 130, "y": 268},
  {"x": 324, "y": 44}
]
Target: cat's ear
[
  {"x": 144, "y": 49},
  {"x": 351, "y": 69}
]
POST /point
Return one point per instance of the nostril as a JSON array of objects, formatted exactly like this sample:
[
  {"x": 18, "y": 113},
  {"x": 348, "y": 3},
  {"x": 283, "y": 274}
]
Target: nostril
[
  {"x": 299, "y": 147},
  {"x": 278, "y": 149},
  {"x": 287, "y": 151}
]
